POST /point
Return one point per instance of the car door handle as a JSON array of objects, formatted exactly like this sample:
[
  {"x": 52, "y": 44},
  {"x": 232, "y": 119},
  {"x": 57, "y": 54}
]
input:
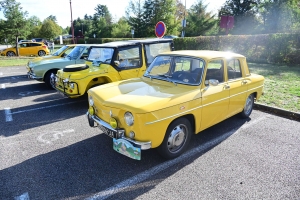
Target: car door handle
[
  {"x": 244, "y": 82},
  {"x": 226, "y": 86}
]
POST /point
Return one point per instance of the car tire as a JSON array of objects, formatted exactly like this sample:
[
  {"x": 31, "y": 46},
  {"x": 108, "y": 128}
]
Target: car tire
[
  {"x": 10, "y": 53},
  {"x": 248, "y": 106},
  {"x": 47, "y": 78},
  {"x": 176, "y": 139},
  {"x": 41, "y": 53}
]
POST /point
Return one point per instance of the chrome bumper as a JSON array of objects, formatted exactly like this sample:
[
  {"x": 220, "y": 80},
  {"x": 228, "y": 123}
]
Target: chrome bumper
[
  {"x": 33, "y": 76},
  {"x": 100, "y": 122}
]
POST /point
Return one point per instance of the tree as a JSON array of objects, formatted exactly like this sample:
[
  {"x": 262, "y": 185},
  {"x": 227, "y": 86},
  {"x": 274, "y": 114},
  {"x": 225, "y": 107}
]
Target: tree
[
  {"x": 49, "y": 29},
  {"x": 134, "y": 16},
  {"x": 199, "y": 21},
  {"x": 102, "y": 11},
  {"x": 16, "y": 24},
  {"x": 121, "y": 29},
  {"x": 244, "y": 12},
  {"x": 53, "y": 18}
]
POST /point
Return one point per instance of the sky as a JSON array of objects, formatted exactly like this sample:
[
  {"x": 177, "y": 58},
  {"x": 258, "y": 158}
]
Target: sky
[{"x": 61, "y": 8}]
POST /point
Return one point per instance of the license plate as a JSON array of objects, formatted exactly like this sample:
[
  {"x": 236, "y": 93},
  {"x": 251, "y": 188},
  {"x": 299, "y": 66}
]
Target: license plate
[
  {"x": 127, "y": 149},
  {"x": 110, "y": 133}
]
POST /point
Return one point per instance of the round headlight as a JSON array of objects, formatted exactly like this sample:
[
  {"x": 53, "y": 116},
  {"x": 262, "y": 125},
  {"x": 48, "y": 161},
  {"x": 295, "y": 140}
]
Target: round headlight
[
  {"x": 129, "y": 118},
  {"x": 113, "y": 123},
  {"x": 91, "y": 101},
  {"x": 72, "y": 85}
]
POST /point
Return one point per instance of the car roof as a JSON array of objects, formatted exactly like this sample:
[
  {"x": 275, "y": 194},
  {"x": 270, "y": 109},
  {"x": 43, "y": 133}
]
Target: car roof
[
  {"x": 206, "y": 54},
  {"x": 131, "y": 42}
]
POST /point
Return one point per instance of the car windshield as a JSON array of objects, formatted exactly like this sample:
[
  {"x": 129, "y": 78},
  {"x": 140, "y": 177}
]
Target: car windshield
[
  {"x": 56, "y": 53},
  {"x": 76, "y": 52},
  {"x": 153, "y": 50},
  {"x": 176, "y": 69},
  {"x": 101, "y": 54}
]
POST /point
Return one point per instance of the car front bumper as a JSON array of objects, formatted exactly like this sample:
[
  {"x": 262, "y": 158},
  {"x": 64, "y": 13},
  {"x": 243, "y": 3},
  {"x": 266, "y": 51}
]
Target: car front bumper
[{"x": 105, "y": 127}]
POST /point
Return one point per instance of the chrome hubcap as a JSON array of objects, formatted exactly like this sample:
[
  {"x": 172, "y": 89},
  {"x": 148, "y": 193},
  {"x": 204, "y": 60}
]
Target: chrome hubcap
[
  {"x": 248, "y": 105},
  {"x": 177, "y": 138}
]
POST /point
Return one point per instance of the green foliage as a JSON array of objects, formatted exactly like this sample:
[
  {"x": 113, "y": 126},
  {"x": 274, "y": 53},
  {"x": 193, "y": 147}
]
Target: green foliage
[
  {"x": 265, "y": 48},
  {"x": 200, "y": 22},
  {"x": 121, "y": 29},
  {"x": 49, "y": 29}
]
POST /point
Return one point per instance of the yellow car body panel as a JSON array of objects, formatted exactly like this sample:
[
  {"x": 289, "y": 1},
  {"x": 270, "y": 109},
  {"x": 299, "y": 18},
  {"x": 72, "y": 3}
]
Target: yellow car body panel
[
  {"x": 61, "y": 52},
  {"x": 156, "y": 101}
]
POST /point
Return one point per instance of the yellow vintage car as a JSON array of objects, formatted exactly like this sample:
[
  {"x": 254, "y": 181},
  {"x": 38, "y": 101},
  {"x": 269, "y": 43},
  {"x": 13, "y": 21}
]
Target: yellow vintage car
[
  {"x": 109, "y": 62},
  {"x": 180, "y": 94}
]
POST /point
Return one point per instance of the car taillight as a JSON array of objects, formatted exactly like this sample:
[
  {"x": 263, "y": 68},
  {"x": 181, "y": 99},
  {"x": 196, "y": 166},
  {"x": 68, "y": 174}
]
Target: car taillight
[{"x": 44, "y": 46}]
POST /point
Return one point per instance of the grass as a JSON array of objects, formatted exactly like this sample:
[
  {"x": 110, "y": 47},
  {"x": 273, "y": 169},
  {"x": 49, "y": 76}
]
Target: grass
[
  {"x": 282, "y": 85},
  {"x": 281, "y": 89}
]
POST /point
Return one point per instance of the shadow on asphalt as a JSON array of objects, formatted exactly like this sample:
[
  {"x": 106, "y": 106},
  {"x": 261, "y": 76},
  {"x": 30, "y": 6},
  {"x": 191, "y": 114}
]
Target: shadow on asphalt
[{"x": 85, "y": 168}]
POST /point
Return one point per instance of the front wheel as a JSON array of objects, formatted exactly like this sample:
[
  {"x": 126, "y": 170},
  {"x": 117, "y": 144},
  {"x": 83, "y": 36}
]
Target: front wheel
[
  {"x": 176, "y": 139},
  {"x": 47, "y": 78},
  {"x": 248, "y": 107}
]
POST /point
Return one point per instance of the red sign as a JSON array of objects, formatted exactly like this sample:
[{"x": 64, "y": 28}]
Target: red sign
[
  {"x": 160, "y": 29},
  {"x": 227, "y": 22}
]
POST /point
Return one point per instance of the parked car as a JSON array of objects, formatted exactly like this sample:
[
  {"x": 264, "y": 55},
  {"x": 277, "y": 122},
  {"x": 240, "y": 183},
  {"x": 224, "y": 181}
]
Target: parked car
[
  {"x": 60, "y": 53},
  {"x": 109, "y": 62},
  {"x": 21, "y": 41},
  {"x": 180, "y": 94},
  {"x": 27, "y": 49},
  {"x": 42, "y": 70}
]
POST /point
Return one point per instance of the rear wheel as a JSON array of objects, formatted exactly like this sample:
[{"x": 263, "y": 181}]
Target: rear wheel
[
  {"x": 176, "y": 138},
  {"x": 10, "y": 53},
  {"x": 41, "y": 53},
  {"x": 248, "y": 107}
]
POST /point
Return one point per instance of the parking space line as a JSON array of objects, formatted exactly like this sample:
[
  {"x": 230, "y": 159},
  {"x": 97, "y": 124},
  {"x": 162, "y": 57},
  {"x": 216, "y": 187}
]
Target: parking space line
[
  {"x": 22, "y": 111},
  {"x": 3, "y": 86},
  {"x": 8, "y": 116}
]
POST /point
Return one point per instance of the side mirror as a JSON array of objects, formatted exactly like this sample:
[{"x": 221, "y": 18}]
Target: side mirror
[{"x": 117, "y": 63}]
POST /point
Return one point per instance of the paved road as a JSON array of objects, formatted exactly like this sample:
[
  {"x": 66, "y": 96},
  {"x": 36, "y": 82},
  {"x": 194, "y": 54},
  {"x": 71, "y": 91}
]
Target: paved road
[{"x": 48, "y": 151}]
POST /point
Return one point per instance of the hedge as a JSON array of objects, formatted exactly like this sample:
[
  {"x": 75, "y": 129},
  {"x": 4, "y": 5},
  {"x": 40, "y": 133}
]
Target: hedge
[{"x": 264, "y": 48}]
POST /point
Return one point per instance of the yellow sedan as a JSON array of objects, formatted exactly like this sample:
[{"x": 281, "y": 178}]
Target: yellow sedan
[
  {"x": 181, "y": 93},
  {"x": 27, "y": 49}
]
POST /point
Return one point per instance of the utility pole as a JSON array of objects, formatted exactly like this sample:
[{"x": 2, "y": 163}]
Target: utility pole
[{"x": 72, "y": 27}]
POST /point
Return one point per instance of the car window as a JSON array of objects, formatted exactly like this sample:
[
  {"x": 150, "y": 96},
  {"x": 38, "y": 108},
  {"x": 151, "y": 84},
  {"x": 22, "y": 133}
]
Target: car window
[
  {"x": 153, "y": 50},
  {"x": 100, "y": 54},
  {"x": 215, "y": 70},
  {"x": 60, "y": 50},
  {"x": 24, "y": 45},
  {"x": 76, "y": 52},
  {"x": 129, "y": 57},
  {"x": 234, "y": 69},
  {"x": 35, "y": 44},
  {"x": 177, "y": 69}
]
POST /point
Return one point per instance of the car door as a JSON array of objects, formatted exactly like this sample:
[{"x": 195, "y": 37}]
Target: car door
[
  {"x": 24, "y": 49},
  {"x": 215, "y": 97},
  {"x": 129, "y": 59},
  {"x": 237, "y": 86}
]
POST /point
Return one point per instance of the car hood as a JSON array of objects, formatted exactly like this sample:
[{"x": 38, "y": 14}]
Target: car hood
[
  {"x": 50, "y": 61},
  {"x": 143, "y": 96}
]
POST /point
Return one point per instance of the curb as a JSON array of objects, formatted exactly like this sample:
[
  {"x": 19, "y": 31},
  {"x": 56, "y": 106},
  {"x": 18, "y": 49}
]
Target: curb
[{"x": 278, "y": 111}]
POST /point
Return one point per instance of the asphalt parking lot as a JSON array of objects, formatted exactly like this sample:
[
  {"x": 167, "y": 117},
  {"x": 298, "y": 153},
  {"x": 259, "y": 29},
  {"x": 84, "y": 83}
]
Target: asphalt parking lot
[{"x": 48, "y": 151}]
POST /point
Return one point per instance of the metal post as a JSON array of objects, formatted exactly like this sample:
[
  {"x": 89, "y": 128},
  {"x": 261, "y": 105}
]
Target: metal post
[{"x": 72, "y": 23}]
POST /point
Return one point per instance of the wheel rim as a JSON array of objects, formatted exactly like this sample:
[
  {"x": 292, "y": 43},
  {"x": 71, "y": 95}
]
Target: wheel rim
[
  {"x": 41, "y": 53},
  {"x": 177, "y": 138},
  {"x": 248, "y": 106},
  {"x": 10, "y": 53}
]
